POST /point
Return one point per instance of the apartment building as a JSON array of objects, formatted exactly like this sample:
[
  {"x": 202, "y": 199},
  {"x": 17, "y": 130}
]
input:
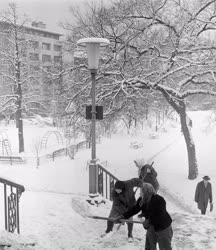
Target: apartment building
[
  {"x": 45, "y": 51},
  {"x": 45, "y": 46},
  {"x": 40, "y": 52},
  {"x": 42, "y": 48}
]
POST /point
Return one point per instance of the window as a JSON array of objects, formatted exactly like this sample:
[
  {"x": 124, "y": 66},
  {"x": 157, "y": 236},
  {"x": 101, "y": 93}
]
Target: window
[
  {"x": 46, "y": 58},
  {"x": 47, "y": 68},
  {"x": 46, "y": 46},
  {"x": 34, "y": 68},
  {"x": 34, "y": 44},
  {"x": 34, "y": 56},
  {"x": 57, "y": 47},
  {"x": 57, "y": 59}
]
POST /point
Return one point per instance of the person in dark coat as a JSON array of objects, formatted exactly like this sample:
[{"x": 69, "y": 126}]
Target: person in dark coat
[
  {"x": 148, "y": 174},
  {"x": 157, "y": 219},
  {"x": 123, "y": 199},
  {"x": 203, "y": 194}
]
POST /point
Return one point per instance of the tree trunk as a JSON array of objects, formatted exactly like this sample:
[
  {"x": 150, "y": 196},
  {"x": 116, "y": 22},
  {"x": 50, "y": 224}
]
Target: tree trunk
[
  {"x": 186, "y": 124},
  {"x": 192, "y": 161},
  {"x": 146, "y": 112},
  {"x": 19, "y": 121},
  {"x": 156, "y": 122},
  {"x": 135, "y": 122},
  {"x": 127, "y": 124}
]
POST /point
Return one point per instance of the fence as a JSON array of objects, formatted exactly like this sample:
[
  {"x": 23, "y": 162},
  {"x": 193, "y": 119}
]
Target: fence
[
  {"x": 57, "y": 153},
  {"x": 70, "y": 151},
  {"x": 12, "y": 194},
  {"x": 12, "y": 159},
  {"x": 73, "y": 149},
  {"x": 106, "y": 182}
]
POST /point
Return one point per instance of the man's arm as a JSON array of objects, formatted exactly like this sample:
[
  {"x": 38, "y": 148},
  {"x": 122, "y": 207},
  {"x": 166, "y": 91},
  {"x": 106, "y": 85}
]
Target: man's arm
[
  {"x": 210, "y": 194},
  {"x": 135, "y": 182},
  {"x": 134, "y": 210}
]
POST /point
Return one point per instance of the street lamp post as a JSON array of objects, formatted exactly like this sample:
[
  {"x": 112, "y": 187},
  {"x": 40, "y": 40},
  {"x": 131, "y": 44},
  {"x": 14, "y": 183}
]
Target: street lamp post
[{"x": 93, "y": 45}]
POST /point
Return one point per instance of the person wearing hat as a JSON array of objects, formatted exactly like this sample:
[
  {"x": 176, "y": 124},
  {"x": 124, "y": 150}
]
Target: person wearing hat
[
  {"x": 123, "y": 197},
  {"x": 203, "y": 194}
]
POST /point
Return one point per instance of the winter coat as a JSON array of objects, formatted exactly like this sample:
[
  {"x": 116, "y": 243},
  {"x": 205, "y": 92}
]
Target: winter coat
[
  {"x": 126, "y": 199},
  {"x": 155, "y": 212},
  {"x": 149, "y": 177},
  {"x": 203, "y": 195}
]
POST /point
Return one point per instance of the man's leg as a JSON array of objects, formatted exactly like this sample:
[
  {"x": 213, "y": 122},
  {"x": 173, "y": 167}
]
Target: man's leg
[
  {"x": 203, "y": 210},
  {"x": 165, "y": 238},
  {"x": 110, "y": 225},
  {"x": 151, "y": 239},
  {"x": 130, "y": 229}
]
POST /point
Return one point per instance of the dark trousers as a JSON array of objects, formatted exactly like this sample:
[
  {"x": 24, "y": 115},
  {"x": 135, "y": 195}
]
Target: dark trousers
[
  {"x": 163, "y": 238},
  {"x": 203, "y": 211},
  {"x": 110, "y": 225}
]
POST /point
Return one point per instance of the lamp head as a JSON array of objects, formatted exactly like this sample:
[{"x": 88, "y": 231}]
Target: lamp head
[{"x": 93, "y": 45}]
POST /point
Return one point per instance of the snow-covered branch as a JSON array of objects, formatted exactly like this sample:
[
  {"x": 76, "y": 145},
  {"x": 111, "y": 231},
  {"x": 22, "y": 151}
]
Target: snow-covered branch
[{"x": 197, "y": 92}]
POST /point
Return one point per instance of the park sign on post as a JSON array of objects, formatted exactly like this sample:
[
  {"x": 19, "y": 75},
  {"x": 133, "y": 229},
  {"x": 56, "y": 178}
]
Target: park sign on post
[{"x": 99, "y": 112}]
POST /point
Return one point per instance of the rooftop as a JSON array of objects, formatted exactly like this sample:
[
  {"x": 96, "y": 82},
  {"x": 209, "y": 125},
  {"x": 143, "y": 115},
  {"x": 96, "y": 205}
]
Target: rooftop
[{"x": 40, "y": 28}]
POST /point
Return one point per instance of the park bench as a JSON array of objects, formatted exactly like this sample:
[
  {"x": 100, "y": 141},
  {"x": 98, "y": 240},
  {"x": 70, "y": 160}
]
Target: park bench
[{"x": 11, "y": 159}]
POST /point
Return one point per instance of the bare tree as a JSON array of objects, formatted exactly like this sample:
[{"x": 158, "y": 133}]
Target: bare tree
[
  {"x": 158, "y": 46},
  {"x": 12, "y": 30},
  {"x": 36, "y": 147},
  {"x": 19, "y": 93}
]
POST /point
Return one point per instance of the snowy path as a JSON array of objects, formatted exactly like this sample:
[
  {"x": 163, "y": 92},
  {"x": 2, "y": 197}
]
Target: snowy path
[
  {"x": 191, "y": 231},
  {"x": 57, "y": 221},
  {"x": 54, "y": 209}
]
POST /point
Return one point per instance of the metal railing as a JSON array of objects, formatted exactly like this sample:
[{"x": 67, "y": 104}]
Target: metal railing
[
  {"x": 12, "y": 159},
  {"x": 73, "y": 149},
  {"x": 12, "y": 194},
  {"x": 69, "y": 150},
  {"x": 57, "y": 153},
  {"x": 106, "y": 182}
]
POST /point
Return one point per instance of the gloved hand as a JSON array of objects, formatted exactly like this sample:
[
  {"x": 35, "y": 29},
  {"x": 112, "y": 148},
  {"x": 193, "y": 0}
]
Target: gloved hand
[
  {"x": 211, "y": 207},
  {"x": 118, "y": 219}
]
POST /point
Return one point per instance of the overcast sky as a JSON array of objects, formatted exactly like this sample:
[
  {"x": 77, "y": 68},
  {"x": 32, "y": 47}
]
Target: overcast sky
[{"x": 49, "y": 11}]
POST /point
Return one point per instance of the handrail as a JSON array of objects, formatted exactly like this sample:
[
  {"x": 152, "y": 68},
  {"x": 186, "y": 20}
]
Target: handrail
[
  {"x": 106, "y": 182},
  {"x": 11, "y": 183},
  {"x": 12, "y": 194},
  {"x": 105, "y": 170}
]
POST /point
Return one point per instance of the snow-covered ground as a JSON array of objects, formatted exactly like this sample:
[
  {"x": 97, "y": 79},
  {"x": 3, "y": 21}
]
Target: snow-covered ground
[{"x": 54, "y": 211}]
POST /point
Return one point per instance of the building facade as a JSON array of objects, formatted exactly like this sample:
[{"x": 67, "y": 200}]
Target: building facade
[
  {"x": 40, "y": 52},
  {"x": 45, "y": 46}
]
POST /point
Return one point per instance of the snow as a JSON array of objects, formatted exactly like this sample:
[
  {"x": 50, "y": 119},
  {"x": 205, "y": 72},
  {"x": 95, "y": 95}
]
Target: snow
[{"x": 54, "y": 212}]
